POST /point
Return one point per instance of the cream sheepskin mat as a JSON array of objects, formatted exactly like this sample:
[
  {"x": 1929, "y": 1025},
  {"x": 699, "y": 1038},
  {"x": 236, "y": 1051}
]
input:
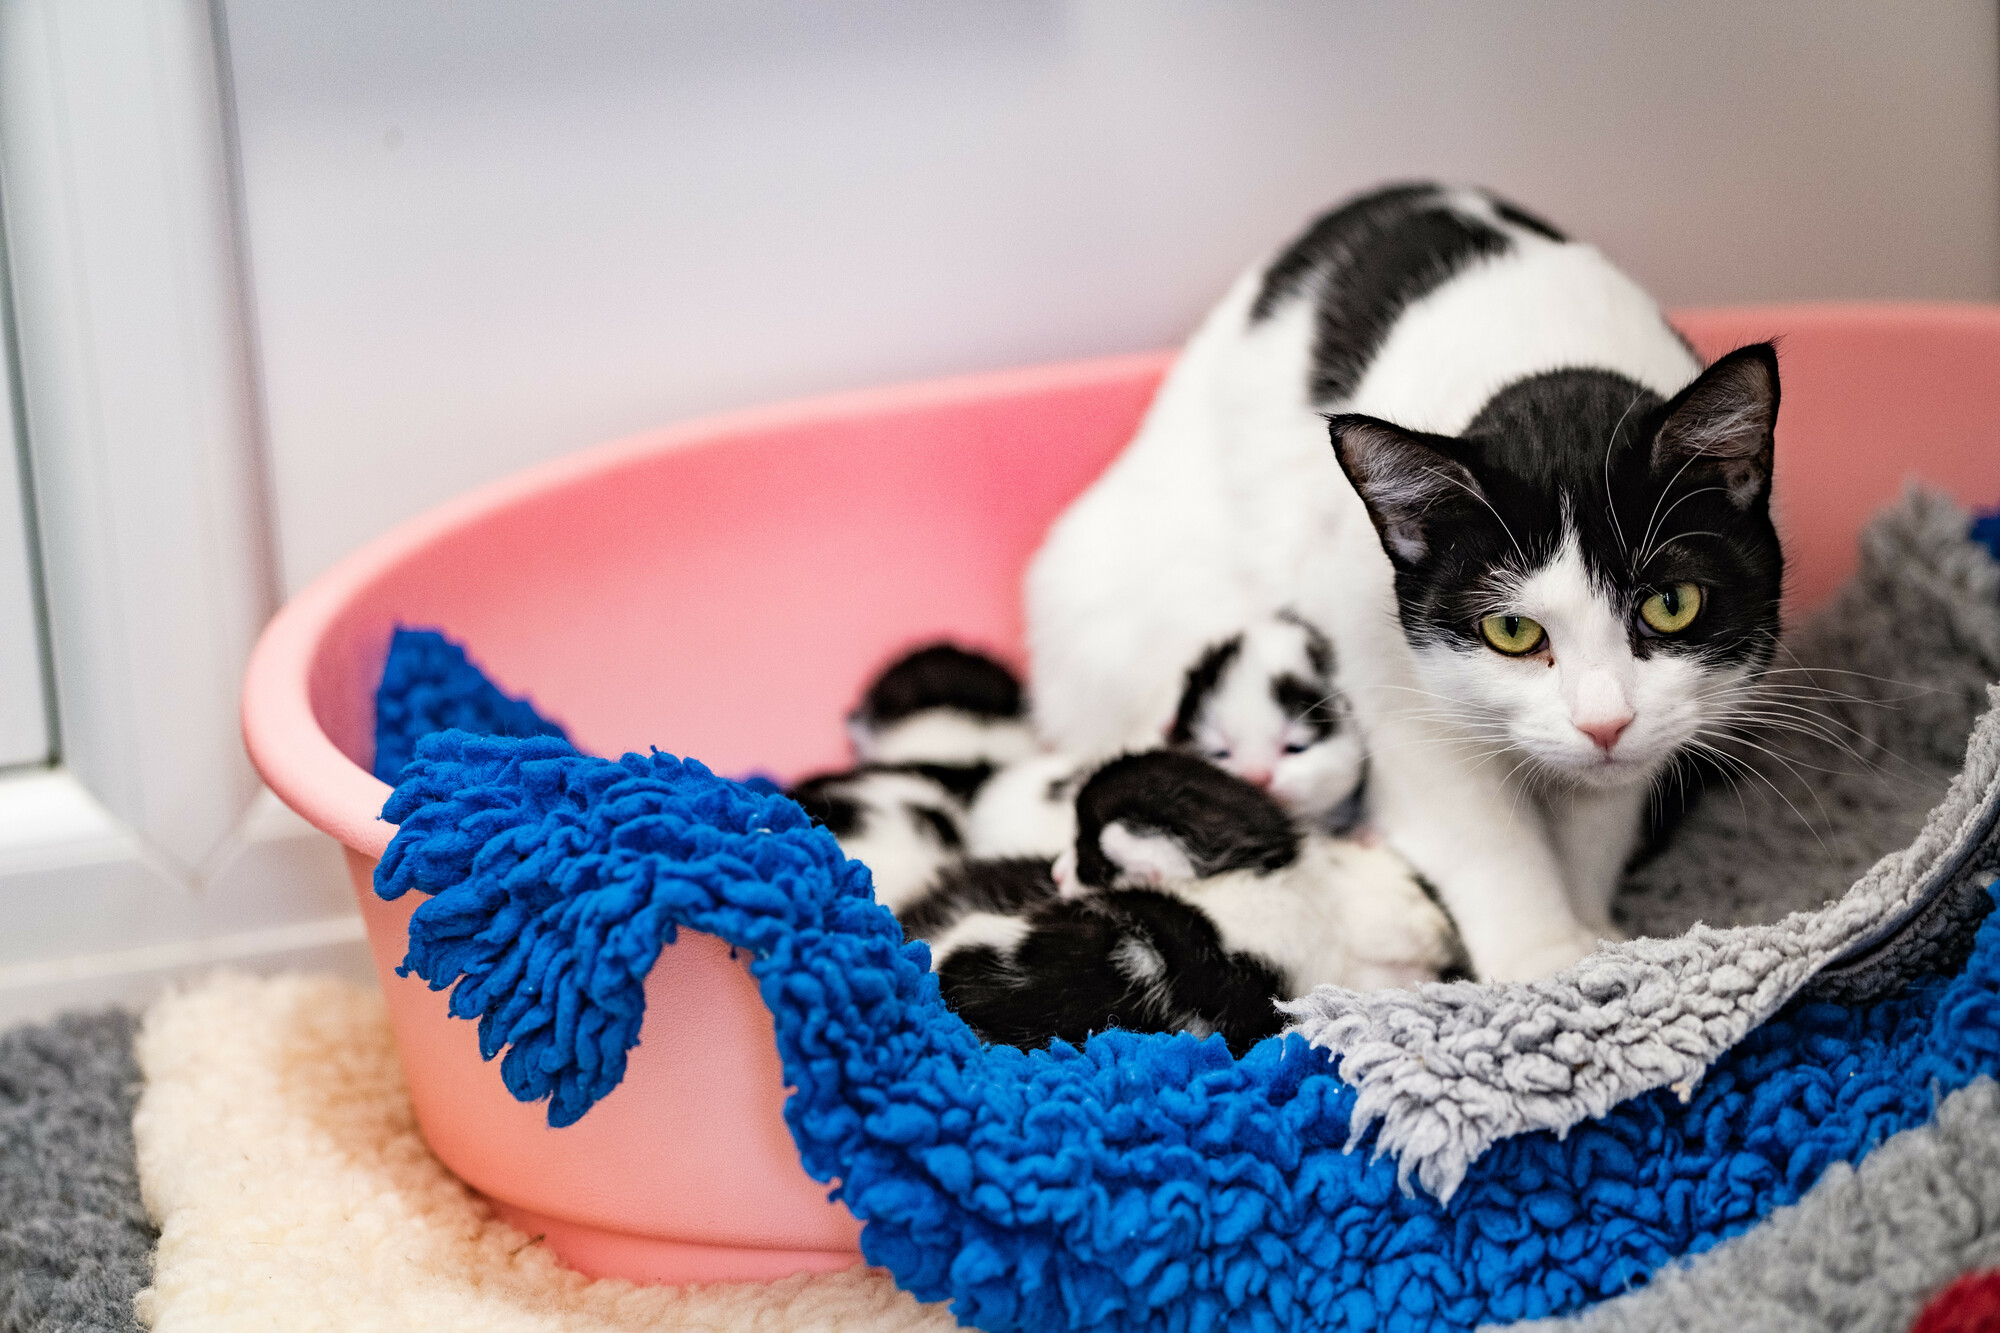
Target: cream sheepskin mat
[{"x": 278, "y": 1153}]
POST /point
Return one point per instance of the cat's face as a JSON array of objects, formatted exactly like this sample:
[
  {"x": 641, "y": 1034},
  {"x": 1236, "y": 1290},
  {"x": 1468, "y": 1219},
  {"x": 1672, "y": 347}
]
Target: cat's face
[
  {"x": 1262, "y": 705},
  {"x": 1588, "y": 575}
]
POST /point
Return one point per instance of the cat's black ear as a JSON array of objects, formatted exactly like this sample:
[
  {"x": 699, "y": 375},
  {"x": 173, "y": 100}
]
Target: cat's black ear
[
  {"x": 1718, "y": 430},
  {"x": 1410, "y": 483}
]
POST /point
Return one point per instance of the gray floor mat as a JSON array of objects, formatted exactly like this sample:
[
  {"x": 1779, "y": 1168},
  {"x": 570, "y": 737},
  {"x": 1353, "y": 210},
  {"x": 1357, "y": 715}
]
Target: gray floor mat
[{"x": 75, "y": 1244}]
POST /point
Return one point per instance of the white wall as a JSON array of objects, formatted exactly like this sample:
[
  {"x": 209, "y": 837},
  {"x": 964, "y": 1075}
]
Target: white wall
[
  {"x": 483, "y": 232},
  {"x": 488, "y": 231}
]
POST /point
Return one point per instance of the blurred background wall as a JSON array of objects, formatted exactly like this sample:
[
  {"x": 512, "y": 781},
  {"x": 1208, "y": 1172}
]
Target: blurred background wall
[
  {"x": 281, "y": 274},
  {"x": 486, "y": 231}
]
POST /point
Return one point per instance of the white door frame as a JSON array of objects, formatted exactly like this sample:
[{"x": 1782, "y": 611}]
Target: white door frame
[{"x": 148, "y": 847}]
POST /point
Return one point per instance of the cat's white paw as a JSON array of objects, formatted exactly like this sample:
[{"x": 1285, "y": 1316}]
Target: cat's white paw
[{"x": 1543, "y": 959}]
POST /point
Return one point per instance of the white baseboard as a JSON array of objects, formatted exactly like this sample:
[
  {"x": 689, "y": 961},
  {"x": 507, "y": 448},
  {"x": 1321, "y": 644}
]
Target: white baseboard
[
  {"x": 90, "y": 915},
  {"x": 134, "y": 978}
]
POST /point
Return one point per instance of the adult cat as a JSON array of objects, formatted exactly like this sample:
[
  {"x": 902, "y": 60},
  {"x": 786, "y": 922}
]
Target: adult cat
[{"x": 1540, "y": 542}]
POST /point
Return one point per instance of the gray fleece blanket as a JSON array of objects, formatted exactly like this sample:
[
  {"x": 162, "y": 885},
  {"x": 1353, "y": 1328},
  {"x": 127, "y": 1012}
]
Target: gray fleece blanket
[{"x": 1766, "y": 889}]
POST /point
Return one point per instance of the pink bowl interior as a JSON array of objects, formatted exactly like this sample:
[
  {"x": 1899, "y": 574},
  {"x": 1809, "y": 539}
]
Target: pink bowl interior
[{"x": 723, "y": 589}]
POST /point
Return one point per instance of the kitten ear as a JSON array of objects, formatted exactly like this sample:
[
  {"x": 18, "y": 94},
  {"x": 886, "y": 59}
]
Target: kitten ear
[
  {"x": 1409, "y": 483},
  {"x": 1720, "y": 426}
]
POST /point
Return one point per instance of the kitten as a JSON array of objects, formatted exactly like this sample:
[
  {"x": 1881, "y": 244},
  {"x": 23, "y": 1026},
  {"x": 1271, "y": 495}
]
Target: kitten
[
  {"x": 904, "y": 825},
  {"x": 927, "y": 734},
  {"x": 1261, "y": 704},
  {"x": 1540, "y": 542},
  {"x": 1188, "y": 902},
  {"x": 1027, "y": 808},
  {"x": 958, "y": 713}
]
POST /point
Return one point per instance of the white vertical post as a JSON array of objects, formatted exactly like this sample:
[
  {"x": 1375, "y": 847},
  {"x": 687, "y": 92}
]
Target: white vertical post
[
  {"x": 24, "y": 701},
  {"x": 135, "y": 372}
]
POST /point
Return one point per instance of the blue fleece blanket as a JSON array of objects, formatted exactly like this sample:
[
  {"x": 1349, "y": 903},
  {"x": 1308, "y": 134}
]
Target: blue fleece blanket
[{"x": 1144, "y": 1181}]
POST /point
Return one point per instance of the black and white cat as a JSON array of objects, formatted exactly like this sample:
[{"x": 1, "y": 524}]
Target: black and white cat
[
  {"x": 1188, "y": 902},
  {"x": 1478, "y": 458}
]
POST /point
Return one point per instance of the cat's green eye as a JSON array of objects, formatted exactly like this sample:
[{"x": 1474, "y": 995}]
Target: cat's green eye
[
  {"x": 1515, "y": 636},
  {"x": 1673, "y": 609}
]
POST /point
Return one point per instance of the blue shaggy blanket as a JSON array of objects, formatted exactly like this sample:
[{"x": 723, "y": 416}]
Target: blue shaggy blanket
[{"x": 1142, "y": 1181}]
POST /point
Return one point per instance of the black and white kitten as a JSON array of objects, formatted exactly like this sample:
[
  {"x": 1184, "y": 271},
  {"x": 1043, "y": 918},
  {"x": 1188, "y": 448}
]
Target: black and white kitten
[
  {"x": 1261, "y": 704},
  {"x": 1540, "y": 542},
  {"x": 959, "y": 713},
  {"x": 928, "y": 733},
  {"x": 901, "y": 822},
  {"x": 1188, "y": 902}
]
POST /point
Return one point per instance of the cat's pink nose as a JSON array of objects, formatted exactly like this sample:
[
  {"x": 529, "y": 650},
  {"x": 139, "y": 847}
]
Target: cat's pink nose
[
  {"x": 1256, "y": 777},
  {"x": 1606, "y": 732}
]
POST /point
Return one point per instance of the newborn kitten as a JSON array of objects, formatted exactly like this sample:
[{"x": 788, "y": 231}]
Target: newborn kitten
[
  {"x": 904, "y": 825},
  {"x": 1187, "y": 903},
  {"x": 1023, "y": 966},
  {"x": 1027, "y": 808},
  {"x": 959, "y": 714},
  {"x": 1262, "y": 704},
  {"x": 1321, "y": 910}
]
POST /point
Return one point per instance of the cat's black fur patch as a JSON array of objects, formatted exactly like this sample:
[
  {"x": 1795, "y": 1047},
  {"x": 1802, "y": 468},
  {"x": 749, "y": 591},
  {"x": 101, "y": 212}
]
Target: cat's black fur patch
[
  {"x": 1011, "y": 886},
  {"x": 1135, "y": 959},
  {"x": 820, "y": 798},
  {"x": 1199, "y": 684},
  {"x": 826, "y": 800},
  {"x": 1458, "y": 967},
  {"x": 938, "y": 824},
  {"x": 1319, "y": 648},
  {"x": 1219, "y": 821},
  {"x": 1369, "y": 259},
  {"x": 961, "y": 780},
  {"x": 1596, "y": 447},
  {"x": 941, "y": 675},
  {"x": 1310, "y": 701},
  {"x": 1522, "y": 218}
]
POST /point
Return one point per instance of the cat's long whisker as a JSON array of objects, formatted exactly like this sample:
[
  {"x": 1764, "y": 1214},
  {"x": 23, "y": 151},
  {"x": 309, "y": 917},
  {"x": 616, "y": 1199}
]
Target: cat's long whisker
[
  {"x": 1752, "y": 771},
  {"x": 1648, "y": 547},
  {"x": 1680, "y": 536},
  {"x": 1779, "y": 716},
  {"x": 1919, "y": 688},
  {"x": 1475, "y": 494},
  {"x": 1661, "y": 499},
  {"x": 1740, "y": 739},
  {"x": 1611, "y": 447}
]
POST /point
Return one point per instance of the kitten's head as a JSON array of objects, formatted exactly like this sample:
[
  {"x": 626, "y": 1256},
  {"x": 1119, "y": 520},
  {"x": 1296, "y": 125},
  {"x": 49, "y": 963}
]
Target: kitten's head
[
  {"x": 1262, "y": 705},
  {"x": 942, "y": 705},
  {"x": 1161, "y": 817},
  {"x": 1588, "y": 573}
]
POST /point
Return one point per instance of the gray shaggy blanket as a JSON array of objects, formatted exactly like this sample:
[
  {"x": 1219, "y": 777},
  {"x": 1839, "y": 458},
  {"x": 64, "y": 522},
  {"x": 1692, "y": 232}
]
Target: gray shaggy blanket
[
  {"x": 1766, "y": 891},
  {"x": 1866, "y": 713}
]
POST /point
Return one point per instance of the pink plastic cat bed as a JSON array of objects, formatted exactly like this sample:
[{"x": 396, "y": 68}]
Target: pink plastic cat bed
[{"x": 773, "y": 559}]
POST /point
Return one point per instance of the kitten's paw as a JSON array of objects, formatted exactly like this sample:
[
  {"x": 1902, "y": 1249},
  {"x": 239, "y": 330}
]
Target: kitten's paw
[{"x": 1064, "y": 874}]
